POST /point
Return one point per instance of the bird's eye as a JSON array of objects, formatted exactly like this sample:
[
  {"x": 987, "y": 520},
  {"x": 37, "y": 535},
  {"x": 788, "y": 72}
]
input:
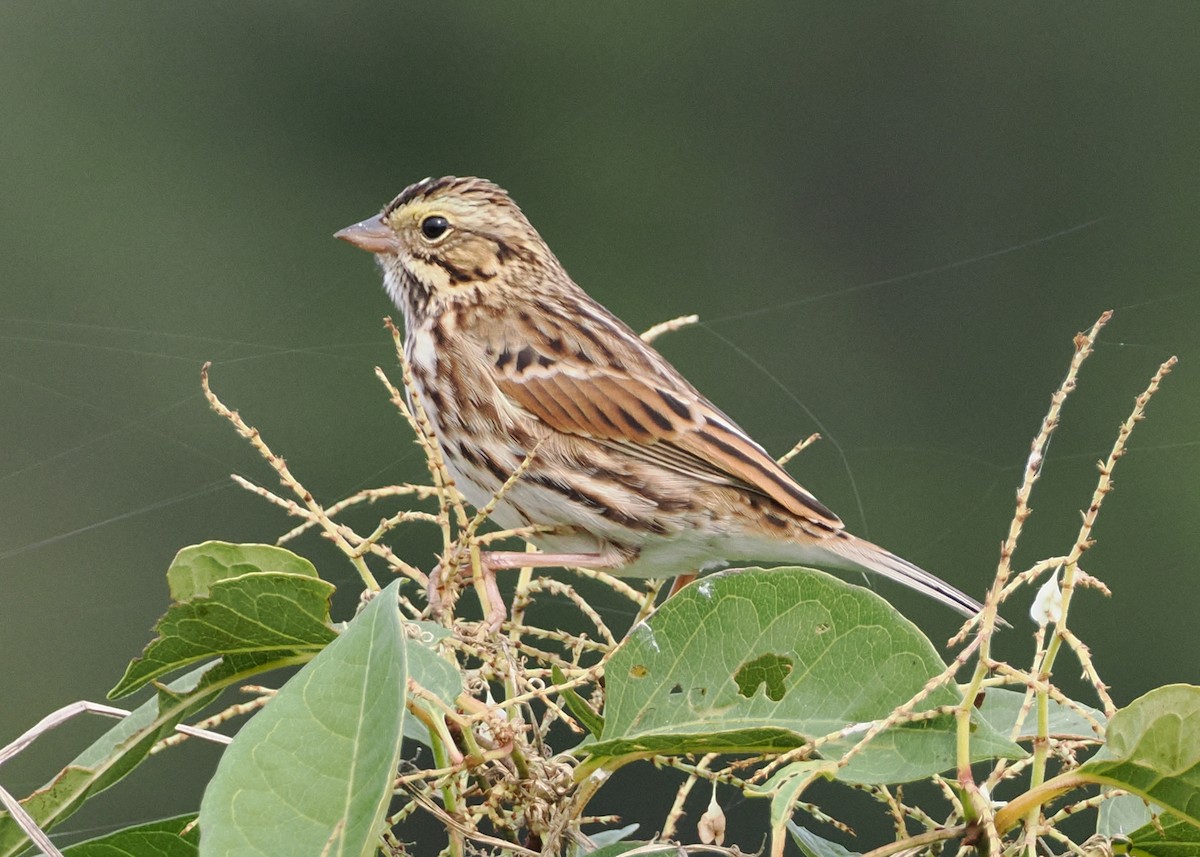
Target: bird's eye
[{"x": 434, "y": 227}]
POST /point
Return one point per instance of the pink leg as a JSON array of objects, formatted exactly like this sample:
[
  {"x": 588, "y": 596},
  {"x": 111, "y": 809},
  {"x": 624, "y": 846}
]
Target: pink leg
[
  {"x": 492, "y": 561},
  {"x": 495, "y": 612},
  {"x": 679, "y": 582},
  {"x": 499, "y": 560}
]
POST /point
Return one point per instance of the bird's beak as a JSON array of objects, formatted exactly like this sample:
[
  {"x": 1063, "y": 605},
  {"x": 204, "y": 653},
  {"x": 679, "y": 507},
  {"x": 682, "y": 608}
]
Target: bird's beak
[{"x": 372, "y": 235}]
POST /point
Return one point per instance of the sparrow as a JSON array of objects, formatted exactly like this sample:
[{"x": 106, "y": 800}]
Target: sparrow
[{"x": 631, "y": 469}]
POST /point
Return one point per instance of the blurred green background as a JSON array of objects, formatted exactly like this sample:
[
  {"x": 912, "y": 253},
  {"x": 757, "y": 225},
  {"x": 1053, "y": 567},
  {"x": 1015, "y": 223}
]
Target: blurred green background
[{"x": 892, "y": 220}]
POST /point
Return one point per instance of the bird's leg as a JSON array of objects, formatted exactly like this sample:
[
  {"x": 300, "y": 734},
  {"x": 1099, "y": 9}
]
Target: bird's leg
[
  {"x": 433, "y": 591},
  {"x": 500, "y": 560},
  {"x": 489, "y": 562},
  {"x": 680, "y": 581},
  {"x": 483, "y": 568}
]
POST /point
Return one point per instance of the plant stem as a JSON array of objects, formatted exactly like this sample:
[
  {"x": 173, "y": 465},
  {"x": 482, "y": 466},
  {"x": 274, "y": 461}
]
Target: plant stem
[{"x": 921, "y": 839}]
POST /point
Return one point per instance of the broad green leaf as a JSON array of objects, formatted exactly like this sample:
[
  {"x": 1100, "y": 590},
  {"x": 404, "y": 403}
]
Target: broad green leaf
[
  {"x": 1178, "y": 838},
  {"x": 233, "y": 600},
  {"x": 109, "y": 758},
  {"x": 1153, "y": 750},
  {"x": 1001, "y": 706},
  {"x": 312, "y": 772},
  {"x": 432, "y": 672},
  {"x": 198, "y": 567},
  {"x": 812, "y": 845},
  {"x": 163, "y": 838},
  {"x": 760, "y": 660},
  {"x": 1121, "y": 815}
]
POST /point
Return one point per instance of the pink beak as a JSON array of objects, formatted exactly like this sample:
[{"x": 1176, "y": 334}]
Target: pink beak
[{"x": 372, "y": 235}]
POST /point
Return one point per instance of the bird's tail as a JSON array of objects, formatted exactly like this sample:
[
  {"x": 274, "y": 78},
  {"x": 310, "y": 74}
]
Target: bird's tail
[{"x": 871, "y": 557}]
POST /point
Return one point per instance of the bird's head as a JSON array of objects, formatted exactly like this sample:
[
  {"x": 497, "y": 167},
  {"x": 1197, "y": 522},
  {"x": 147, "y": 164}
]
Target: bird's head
[{"x": 446, "y": 241}]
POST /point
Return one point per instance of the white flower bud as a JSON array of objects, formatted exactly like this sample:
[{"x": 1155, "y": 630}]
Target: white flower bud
[
  {"x": 711, "y": 825},
  {"x": 1047, "y": 606}
]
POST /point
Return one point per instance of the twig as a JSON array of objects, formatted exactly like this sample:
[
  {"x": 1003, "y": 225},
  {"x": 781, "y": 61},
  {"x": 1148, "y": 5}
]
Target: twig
[
  {"x": 797, "y": 449},
  {"x": 1084, "y": 344},
  {"x": 669, "y": 326},
  {"x": 681, "y": 795},
  {"x": 287, "y": 479}
]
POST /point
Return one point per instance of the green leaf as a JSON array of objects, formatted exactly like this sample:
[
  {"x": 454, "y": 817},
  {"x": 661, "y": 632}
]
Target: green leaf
[
  {"x": 757, "y": 660},
  {"x": 812, "y": 845},
  {"x": 117, "y": 752},
  {"x": 196, "y": 568},
  {"x": 163, "y": 838},
  {"x": 236, "y": 600},
  {"x": 432, "y": 672},
  {"x": 312, "y": 772},
  {"x": 1001, "y": 706},
  {"x": 1153, "y": 750},
  {"x": 784, "y": 788},
  {"x": 1121, "y": 815},
  {"x": 608, "y": 837},
  {"x": 644, "y": 849},
  {"x": 576, "y": 704},
  {"x": 1178, "y": 838}
]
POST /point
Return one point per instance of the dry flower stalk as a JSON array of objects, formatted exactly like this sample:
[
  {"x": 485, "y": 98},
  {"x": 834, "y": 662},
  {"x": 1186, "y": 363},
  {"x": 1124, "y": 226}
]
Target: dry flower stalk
[{"x": 531, "y": 788}]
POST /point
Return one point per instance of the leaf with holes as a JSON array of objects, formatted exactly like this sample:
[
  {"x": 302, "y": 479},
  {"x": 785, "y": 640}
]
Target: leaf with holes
[{"x": 754, "y": 661}]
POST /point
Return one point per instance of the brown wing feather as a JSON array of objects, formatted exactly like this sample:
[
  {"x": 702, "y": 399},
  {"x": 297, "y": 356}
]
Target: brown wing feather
[{"x": 669, "y": 418}]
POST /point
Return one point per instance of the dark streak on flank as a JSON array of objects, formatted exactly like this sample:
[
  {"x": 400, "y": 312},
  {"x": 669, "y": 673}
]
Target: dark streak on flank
[
  {"x": 671, "y": 505},
  {"x": 775, "y": 520},
  {"x": 584, "y": 499},
  {"x": 494, "y": 468},
  {"x": 465, "y": 453}
]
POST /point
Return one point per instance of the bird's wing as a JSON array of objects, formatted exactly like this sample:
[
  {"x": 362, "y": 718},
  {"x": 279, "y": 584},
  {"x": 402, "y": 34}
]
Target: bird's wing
[{"x": 652, "y": 414}]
